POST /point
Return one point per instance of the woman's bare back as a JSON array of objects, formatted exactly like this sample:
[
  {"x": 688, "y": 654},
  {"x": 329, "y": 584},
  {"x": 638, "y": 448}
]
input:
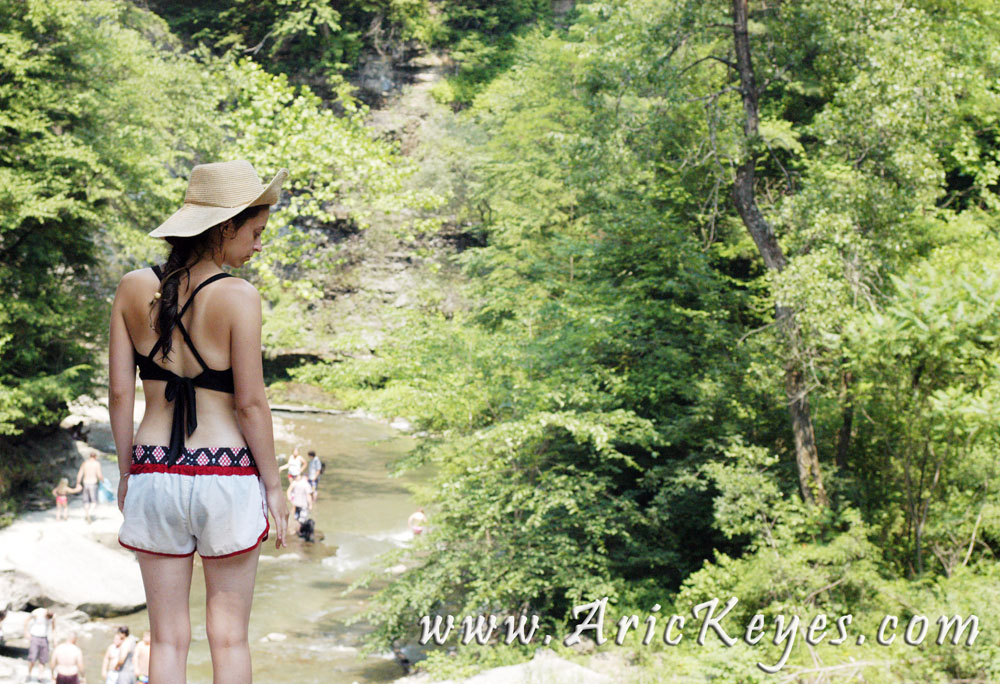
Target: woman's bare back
[{"x": 208, "y": 322}]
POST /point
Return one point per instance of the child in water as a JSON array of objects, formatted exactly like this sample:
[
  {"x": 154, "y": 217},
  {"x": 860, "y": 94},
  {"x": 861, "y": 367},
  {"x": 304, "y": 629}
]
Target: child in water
[{"x": 61, "y": 492}]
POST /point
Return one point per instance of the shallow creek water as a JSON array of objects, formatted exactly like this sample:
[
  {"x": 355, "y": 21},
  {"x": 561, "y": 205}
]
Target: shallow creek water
[{"x": 362, "y": 512}]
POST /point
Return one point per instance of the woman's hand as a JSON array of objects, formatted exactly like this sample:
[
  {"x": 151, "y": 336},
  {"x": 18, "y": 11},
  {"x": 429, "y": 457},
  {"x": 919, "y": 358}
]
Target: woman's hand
[
  {"x": 279, "y": 511},
  {"x": 122, "y": 489}
]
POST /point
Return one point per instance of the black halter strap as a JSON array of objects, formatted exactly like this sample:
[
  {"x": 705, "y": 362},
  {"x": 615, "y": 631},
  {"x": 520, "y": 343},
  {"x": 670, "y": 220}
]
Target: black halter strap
[
  {"x": 217, "y": 276},
  {"x": 177, "y": 319}
]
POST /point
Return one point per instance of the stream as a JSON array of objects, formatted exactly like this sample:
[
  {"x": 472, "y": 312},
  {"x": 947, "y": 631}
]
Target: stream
[{"x": 362, "y": 512}]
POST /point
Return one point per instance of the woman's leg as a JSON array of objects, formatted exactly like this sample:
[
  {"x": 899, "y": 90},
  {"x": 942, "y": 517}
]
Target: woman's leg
[
  {"x": 167, "y": 582},
  {"x": 229, "y": 595}
]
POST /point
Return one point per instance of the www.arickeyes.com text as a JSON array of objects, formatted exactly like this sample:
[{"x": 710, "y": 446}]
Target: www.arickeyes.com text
[{"x": 440, "y": 627}]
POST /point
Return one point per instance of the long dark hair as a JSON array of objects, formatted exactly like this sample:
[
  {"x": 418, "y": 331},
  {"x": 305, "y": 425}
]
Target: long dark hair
[{"x": 184, "y": 253}]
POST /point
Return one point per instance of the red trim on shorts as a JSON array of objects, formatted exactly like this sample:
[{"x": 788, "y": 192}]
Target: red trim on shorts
[
  {"x": 156, "y": 553},
  {"x": 137, "y": 468},
  {"x": 261, "y": 538}
]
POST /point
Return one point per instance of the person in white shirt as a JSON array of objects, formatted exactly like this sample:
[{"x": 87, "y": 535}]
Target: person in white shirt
[
  {"x": 37, "y": 629},
  {"x": 296, "y": 464}
]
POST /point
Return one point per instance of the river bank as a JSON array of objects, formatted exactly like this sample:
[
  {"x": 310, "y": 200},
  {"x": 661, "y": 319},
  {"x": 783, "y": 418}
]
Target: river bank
[
  {"x": 92, "y": 585},
  {"x": 301, "y": 604}
]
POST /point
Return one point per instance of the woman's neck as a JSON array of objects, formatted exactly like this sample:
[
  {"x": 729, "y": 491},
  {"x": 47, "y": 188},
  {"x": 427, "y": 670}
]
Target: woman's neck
[{"x": 204, "y": 268}]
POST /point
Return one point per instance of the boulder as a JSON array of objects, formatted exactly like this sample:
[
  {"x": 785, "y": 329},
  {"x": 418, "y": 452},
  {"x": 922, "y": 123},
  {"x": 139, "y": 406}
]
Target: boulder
[
  {"x": 546, "y": 667},
  {"x": 62, "y": 564},
  {"x": 13, "y": 625},
  {"x": 13, "y": 669},
  {"x": 16, "y": 589}
]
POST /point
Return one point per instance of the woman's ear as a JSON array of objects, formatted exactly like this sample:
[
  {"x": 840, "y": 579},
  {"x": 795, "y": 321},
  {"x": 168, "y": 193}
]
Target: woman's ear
[{"x": 228, "y": 229}]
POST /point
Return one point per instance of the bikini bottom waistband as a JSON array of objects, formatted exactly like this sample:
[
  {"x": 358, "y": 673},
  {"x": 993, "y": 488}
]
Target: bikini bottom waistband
[{"x": 151, "y": 458}]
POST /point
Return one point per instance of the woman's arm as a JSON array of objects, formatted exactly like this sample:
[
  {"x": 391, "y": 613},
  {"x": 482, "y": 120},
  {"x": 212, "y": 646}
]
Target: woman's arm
[
  {"x": 121, "y": 387},
  {"x": 252, "y": 411}
]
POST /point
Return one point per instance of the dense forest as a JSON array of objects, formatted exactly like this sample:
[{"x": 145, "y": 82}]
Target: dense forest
[{"x": 730, "y": 301}]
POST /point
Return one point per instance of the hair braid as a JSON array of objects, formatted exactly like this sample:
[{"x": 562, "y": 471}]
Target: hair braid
[{"x": 177, "y": 265}]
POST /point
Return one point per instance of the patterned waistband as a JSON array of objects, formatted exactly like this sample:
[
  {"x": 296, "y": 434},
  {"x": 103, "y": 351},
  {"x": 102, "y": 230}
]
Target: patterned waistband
[{"x": 149, "y": 458}]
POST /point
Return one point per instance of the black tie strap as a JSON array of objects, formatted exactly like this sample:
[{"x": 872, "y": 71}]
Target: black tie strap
[{"x": 180, "y": 391}]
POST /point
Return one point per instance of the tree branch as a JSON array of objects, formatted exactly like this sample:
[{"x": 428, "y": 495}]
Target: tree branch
[{"x": 696, "y": 62}]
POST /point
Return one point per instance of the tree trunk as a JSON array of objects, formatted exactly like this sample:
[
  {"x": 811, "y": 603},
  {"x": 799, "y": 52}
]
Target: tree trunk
[
  {"x": 847, "y": 426},
  {"x": 806, "y": 455}
]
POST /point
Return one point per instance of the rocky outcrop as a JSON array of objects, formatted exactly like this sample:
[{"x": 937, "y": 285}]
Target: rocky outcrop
[
  {"x": 17, "y": 590},
  {"x": 13, "y": 669},
  {"x": 70, "y": 564},
  {"x": 546, "y": 667}
]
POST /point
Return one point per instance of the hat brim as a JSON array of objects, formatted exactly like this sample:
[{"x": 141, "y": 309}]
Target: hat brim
[{"x": 193, "y": 219}]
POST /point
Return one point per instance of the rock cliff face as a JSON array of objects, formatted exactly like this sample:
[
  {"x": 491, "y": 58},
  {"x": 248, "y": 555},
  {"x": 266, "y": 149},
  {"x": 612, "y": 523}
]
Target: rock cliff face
[{"x": 378, "y": 271}]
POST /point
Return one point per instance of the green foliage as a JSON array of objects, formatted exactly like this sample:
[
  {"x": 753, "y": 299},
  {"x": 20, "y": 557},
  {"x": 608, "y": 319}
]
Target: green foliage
[
  {"x": 317, "y": 42},
  {"x": 618, "y": 294},
  {"x": 929, "y": 364},
  {"x": 481, "y": 37},
  {"x": 468, "y": 660},
  {"x": 569, "y": 404},
  {"x": 798, "y": 556},
  {"x": 94, "y": 102},
  {"x": 313, "y": 41}
]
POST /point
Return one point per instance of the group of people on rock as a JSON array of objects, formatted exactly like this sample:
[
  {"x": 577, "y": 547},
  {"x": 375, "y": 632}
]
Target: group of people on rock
[
  {"x": 88, "y": 480},
  {"x": 126, "y": 660},
  {"x": 303, "y": 490}
]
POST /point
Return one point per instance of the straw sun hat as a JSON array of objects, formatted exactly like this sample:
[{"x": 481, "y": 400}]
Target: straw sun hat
[{"x": 217, "y": 192}]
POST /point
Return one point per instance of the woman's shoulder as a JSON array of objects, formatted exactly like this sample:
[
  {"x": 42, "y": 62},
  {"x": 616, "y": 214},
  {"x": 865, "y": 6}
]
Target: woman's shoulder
[
  {"x": 139, "y": 275},
  {"x": 237, "y": 296},
  {"x": 238, "y": 287},
  {"x": 139, "y": 279}
]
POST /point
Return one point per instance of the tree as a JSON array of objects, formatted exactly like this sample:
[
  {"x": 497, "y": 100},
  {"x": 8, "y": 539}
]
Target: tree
[
  {"x": 806, "y": 455},
  {"x": 96, "y": 110}
]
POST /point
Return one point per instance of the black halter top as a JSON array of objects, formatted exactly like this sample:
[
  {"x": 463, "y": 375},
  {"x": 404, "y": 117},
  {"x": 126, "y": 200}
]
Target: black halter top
[{"x": 180, "y": 390}]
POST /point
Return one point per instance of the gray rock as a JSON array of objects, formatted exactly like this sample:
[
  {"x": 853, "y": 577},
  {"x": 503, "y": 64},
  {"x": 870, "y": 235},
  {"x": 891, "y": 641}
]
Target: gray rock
[
  {"x": 585, "y": 646},
  {"x": 401, "y": 424},
  {"x": 17, "y": 590},
  {"x": 13, "y": 624},
  {"x": 13, "y": 669},
  {"x": 63, "y": 565},
  {"x": 545, "y": 667}
]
